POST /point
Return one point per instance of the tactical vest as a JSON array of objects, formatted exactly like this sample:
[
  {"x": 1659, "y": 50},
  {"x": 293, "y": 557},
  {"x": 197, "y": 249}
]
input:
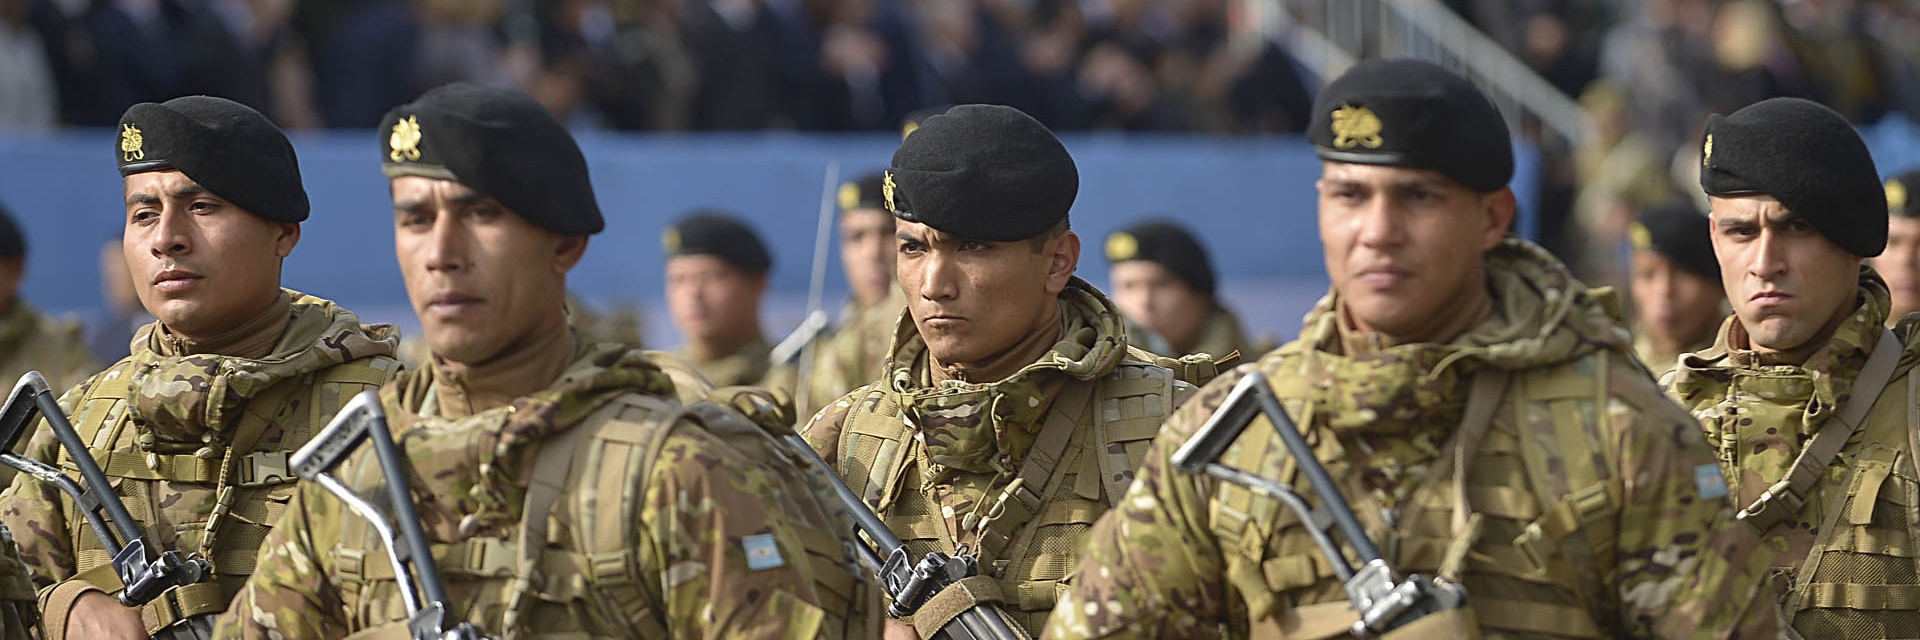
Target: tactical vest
[
  {"x": 1542, "y": 511},
  {"x": 587, "y": 580},
  {"x": 1091, "y": 440},
  {"x": 221, "y": 508},
  {"x": 1862, "y": 577},
  {"x": 19, "y": 609}
]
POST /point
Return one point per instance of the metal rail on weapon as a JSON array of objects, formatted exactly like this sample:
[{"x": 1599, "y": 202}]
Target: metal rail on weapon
[
  {"x": 361, "y": 420},
  {"x": 912, "y": 585},
  {"x": 146, "y": 571},
  {"x": 1384, "y": 603}
]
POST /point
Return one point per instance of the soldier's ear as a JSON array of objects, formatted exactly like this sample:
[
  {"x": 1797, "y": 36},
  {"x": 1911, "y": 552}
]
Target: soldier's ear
[
  {"x": 1063, "y": 257},
  {"x": 1499, "y": 208},
  {"x": 567, "y": 252},
  {"x": 286, "y": 237}
]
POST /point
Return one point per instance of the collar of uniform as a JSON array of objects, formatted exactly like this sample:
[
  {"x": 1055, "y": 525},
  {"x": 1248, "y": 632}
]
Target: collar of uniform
[
  {"x": 462, "y": 389},
  {"x": 251, "y": 340}
]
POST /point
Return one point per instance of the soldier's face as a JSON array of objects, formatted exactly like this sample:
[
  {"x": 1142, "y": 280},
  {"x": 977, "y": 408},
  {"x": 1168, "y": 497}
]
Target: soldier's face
[
  {"x": 866, "y": 253},
  {"x": 1675, "y": 306},
  {"x": 198, "y": 263},
  {"x": 1788, "y": 284},
  {"x": 482, "y": 279},
  {"x": 1163, "y": 303},
  {"x": 1404, "y": 247},
  {"x": 712, "y": 301},
  {"x": 1900, "y": 265},
  {"x": 973, "y": 299}
]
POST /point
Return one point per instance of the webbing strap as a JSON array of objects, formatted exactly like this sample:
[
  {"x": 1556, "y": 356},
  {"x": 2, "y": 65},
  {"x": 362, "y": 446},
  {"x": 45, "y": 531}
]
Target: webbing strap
[
  {"x": 550, "y": 468},
  {"x": 1036, "y": 473},
  {"x": 200, "y": 598},
  {"x": 954, "y": 600},
  {"x": 1786, "y": 497},
  {"x": 1862, "y": 597},
  {"x": 1483, "y": 398}
]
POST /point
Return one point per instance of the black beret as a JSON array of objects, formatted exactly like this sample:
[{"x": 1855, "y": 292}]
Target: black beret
[
  {"x": 1901, "y": 197},
  {"x": 863, "y": 193},
  {"x": 1680, "y": 232},
  {"x": 222, "y": 145},
  {"x": 1807, "y": 157},
  {"x": 1168, "y": 244},
  {"x": 500, "y": 143},
  {"x": 983, "y": 172},
  {"x": 13, "y": 244},
  {"x": 708, "y": 232},
  {"x": 1414, "y": 114}
]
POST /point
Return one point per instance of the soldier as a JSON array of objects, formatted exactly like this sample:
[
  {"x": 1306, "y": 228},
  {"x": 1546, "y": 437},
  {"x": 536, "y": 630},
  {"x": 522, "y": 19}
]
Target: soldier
[
  {"x": 1675, "y": 286},
  {"x": 1900, "y": 264},
  {"x": 657, "y": 527},
  {"x": 1164, "y": 282},
  {"x": 1477, "y": 405},
  {"x": 1012, "y": 409},
  {"x": 29, "y": 340},
  {"x": 716, "y": 275},
  {"x": 1807, "y": 395},
  {"x": 195, "y": 426},
  {"x": 854, "y": 355}
]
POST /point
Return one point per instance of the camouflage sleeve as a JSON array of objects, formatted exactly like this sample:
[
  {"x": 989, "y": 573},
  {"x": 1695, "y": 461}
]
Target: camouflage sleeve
[
  {"x": 289, "y": 596},
  {"x": 1683, "y": 568},
  {"x": 733, "y": 566},
  {"x": 36, "y": 511},
  {"x": 823, "y": 430},
  {"x": 1150, "y": 567}
]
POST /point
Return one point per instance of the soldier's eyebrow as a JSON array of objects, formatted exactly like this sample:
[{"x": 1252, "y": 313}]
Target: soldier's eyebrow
[
  {"x": 190, "y": 190},
  {"x": 459, "y": 199},
  {"x": 142, "y": 197}
]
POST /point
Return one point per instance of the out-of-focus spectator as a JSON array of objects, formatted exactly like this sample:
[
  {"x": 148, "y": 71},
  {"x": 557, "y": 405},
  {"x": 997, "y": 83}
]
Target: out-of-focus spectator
[
  {"x": 1620, "y": 172},
  {"x": 363, "y": 57},
  {"x": 27, "y": 98}
]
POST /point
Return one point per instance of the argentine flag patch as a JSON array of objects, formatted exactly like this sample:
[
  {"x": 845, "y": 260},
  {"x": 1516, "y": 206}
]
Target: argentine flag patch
[
  {"x": 763, "y": 553},
  {"x": 1708, "y": 480}
]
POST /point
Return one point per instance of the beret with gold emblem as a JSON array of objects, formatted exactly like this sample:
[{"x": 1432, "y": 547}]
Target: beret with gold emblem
[
  {"x": 1806, "y": 156},
  {"x": 711, "y": 232},
  {"x": 500, "y": 143},
  {"x": 1414, "y": 114},
  {"x": 863, "y": 192},
  {"x": 222, "y": 145},
  {"x": 1903, "y": 194},
  {"x": 1679, "y": 231},
  {"x": 1167, "y": 244},
  {"x": 982, "y": 172}
]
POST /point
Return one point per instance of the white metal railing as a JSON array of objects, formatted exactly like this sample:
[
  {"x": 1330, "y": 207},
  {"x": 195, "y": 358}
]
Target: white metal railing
[{"x": 1327, "y": 36}]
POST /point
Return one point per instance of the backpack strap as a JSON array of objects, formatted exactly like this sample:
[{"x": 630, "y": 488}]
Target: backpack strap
[
  {"x": 1031, "y": 484},
  {"x": 550, "y": 468},
  {"x": 1789, "y": 495}
]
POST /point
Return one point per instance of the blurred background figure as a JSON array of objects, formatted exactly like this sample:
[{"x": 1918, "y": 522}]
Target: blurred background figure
[
  {"x": 1164, "y": 283},
  {"x": 1678, "y": 303},
  {"x": 716, "y": 274},
  {"x": 855, "y": 353},
  {"x": 1900, "y": 264},
  {"x": 30, "y": 341},
  {"x": 110, "y": 334}
]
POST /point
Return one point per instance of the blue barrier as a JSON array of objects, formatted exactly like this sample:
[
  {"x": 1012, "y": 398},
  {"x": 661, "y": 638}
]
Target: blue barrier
[{"x": 1252, "y": 200}]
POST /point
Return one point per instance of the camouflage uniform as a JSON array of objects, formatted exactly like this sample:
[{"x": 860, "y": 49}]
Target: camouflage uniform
[
  {"x": 856, "y": 354},
  {"x": 1659, "y": 363},
  {"x": 19, "y": 611},
  {"x": 30, "y": 341},
  {"x": 1857, "y": 532},
  {"x": 670, "y": 523},
  {"x": 1629, "y": 539},
  {"x": 750, "y": 366},
  {"x": 197, "y": 446},
  {"x": 937, "y": 461}
]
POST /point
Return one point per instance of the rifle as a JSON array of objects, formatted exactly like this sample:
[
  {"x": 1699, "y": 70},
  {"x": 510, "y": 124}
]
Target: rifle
[
  {"x": 144, "y": 570},
  {"x": 911, "y": 586},
  {"x": 364, "y": 419},
  {"x": 1384, "y": 603}
]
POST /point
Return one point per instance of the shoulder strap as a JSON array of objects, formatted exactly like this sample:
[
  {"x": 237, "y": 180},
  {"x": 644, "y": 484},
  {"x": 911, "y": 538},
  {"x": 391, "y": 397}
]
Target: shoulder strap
[
  {"x": 1489, "y": 386},
  {"x": 550, "y": 468},
  {"x": 1031, "y": 483},
  {"x": 1121, "y": 440},
  {"x": 1787, "y": 496}
]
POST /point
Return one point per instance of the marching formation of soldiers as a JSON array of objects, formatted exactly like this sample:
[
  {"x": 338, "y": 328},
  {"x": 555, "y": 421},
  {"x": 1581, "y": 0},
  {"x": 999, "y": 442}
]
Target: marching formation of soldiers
[{"x": 1464, "y": 441}]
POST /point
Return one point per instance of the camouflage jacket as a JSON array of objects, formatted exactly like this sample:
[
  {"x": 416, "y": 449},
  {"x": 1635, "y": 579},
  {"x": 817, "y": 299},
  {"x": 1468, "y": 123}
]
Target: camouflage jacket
[
  {"x": 1220, "y": 334},
  {"x": 1659, "y": 363},
  {"x": 855, "y": 354},
  {"x": 19, "y": 609},
  {"x": 1595, "y": 500},
  {"x": 938, "y": 463},
  {"x": 750, "y": 366},
  {"x": 197, "y": 447},
  {"x": 1857, "y": 532},
  {"x": 30, "y": 341},
  {"x": 663, "y": 528}
]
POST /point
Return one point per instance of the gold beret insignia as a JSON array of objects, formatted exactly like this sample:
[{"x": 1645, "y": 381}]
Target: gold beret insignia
[
  {"x": 1896, "y": 194},
  {"x": 1706, "y": 151},
  {"x": 886, "y": 191},
  {"x": 131, "y": 143},
  {"x": 670, "y": 240},
  {"x": 1356, "y": 127},
  {"x": 1641, "y": 237},
  {"x": 405, "y": 140},
  {"x": 1122, "y": 246},
  {"x": 849, "y": 196}
]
